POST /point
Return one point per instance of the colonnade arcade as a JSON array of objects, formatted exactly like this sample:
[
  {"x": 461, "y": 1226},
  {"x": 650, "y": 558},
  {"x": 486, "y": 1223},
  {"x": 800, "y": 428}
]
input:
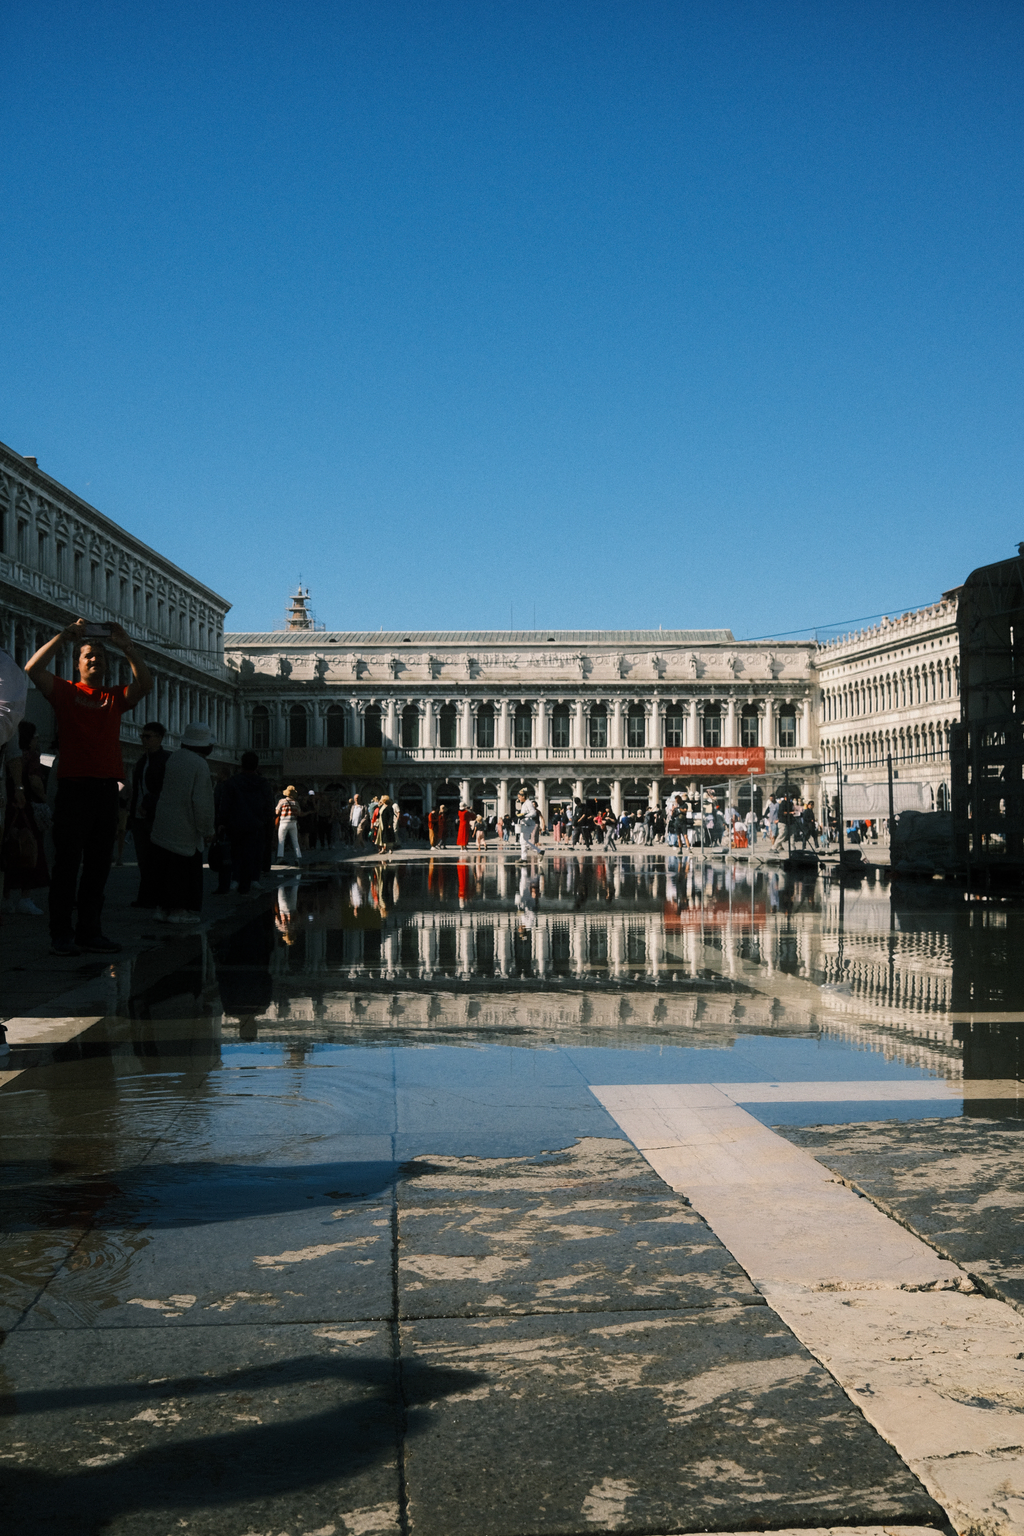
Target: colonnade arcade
[
  {"x": 498, "y": 795},
  {"x": 464, "y": 727}
]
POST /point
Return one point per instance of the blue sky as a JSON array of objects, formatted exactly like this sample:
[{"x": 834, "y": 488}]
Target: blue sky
[{"x": 579, "y": 314}]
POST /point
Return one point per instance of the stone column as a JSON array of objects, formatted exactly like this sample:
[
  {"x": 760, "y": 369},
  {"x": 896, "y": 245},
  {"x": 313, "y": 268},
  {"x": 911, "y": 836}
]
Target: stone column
[
  {"x": 464, "y": 791},
  {"x": 800, "y": 710},
  {"x": 615, "y": 724},
  {"x": 465, "y": 948},
  {"x": 654, "y": 794},
  {"x": 428, "y": 952},
  {"x": 616, "y": 945},
  {"x": 769, "y": 724},
  {"x": 502, "y": 950},
  {"x": 617, "y": 796},
  {"x": 502, "y": 798},
  {"x": 465, "y": 737},
  {"x": 542, "y": 799},
  {"x": 730, "y": 724},
  {"x": 504, "y": 734},
  {"x": 579, "y": 739},
  {"x": 577, "y": 789},
  {"x": 578, "y": 947},
  {"x": 693, "y": 734},
  {"x": 427, "y": 727},
  {"x": 428, "y": 797},
  {"x": 391, "y": 723},
  {"x": 542, "y": 949},
  {"x": 657, "y": 725},
  {"x": 542, "y": 726}
]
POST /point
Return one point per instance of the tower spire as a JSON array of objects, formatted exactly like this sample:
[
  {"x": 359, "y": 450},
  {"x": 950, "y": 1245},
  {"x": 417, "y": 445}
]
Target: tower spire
[{"x": 298, "y": 615}]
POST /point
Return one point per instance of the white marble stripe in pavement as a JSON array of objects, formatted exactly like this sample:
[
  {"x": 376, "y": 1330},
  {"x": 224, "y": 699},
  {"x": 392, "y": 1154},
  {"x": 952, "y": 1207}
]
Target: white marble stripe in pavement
[
  {"x": 844, "y": 1530},
  {"x": 938, "y": 1369},
  {"x": 868, "y": 1091}
]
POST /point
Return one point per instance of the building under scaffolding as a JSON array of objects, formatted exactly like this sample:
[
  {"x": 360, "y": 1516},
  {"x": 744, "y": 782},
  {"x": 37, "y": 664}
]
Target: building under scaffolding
[{"x": 988, "y": 746}]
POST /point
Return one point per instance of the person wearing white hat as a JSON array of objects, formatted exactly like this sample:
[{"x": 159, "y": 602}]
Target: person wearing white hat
[{"x": 182, "y": 827}]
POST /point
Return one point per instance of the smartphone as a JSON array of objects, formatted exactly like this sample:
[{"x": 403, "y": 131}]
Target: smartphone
[{"x": 97, "y": 632}]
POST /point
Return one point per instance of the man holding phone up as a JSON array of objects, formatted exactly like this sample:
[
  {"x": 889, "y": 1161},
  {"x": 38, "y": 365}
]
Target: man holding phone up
[{"x": 89, "y": 767}]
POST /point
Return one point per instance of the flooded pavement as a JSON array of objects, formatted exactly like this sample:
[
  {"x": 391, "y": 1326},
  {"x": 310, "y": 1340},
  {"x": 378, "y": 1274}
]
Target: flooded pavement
[{"x": 457, "y": 1195}]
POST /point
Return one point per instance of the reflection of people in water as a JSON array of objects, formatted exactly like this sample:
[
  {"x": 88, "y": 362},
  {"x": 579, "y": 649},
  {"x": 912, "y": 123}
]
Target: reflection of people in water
[
  {"x": 242, "y": 961},
  {"x": 528, "y": 899},
  {"x": 462, "y": 871},
  {"x": 285, "y": 913}
]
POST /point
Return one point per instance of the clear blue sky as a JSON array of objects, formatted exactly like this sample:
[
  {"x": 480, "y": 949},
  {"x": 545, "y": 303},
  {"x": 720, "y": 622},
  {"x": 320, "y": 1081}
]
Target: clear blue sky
[{"x": 611, "y": 314}]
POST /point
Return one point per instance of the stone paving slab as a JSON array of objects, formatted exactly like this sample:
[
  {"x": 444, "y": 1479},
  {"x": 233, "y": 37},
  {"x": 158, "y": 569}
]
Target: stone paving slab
[
  {"x": 588, "y": 1229},
  {"x": 940, "y": 1374},
  {"x": 673, "y": 1421},
  {"x": 303, "y": 1266},
  {"x": 220, "y": 1431},
  {"x": 958, "y": 1183}
]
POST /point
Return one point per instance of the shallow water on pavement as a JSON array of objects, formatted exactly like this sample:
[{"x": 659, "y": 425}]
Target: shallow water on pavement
[
  {"x": 369, "y": 1096},
  {"x": 496, "y": 994}
]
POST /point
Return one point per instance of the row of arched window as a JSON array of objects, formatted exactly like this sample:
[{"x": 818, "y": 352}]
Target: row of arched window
[
  {"x": 928, "y": 743},
  {"x": 921, "y": 684},
  {"x": 524, "y": 723}
]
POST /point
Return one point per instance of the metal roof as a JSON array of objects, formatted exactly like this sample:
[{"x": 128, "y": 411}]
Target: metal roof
[{"x": 364, "y": 639}]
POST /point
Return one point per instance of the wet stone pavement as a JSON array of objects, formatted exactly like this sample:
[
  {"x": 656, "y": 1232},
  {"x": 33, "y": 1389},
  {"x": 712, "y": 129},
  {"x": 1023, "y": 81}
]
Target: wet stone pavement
[{"x": 454, "y": 1197}]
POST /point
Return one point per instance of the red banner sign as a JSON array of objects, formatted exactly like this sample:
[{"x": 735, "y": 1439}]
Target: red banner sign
[{"x": 712, "y": 762}]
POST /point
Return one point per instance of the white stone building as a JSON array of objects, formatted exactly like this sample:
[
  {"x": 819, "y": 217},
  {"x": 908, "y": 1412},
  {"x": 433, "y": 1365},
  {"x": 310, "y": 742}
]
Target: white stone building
[
  {"x": 892, "y": 689},
  {"x": 471, "y": 716},
  {"x": 60, "y": 559}
]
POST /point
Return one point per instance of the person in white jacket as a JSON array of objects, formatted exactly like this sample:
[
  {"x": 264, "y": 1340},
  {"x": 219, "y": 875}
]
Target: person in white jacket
[{"x": 183, "y": 824}]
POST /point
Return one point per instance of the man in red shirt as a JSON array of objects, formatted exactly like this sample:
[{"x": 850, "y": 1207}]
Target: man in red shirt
[{"x": 89, "y": 767}]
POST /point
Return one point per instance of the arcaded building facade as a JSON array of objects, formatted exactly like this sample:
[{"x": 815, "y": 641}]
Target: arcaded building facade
[
  {"x": 472, "y": 716},
  {"x": 893, "y": 690}
]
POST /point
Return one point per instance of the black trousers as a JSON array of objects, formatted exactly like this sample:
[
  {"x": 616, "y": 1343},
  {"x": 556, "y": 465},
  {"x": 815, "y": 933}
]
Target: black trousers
[
  {"x": 84, "y": 828},
  {"x": 147, "y": 867},
  {"x": 246, "y": 857},
  {"x": 179, "y": 880}
]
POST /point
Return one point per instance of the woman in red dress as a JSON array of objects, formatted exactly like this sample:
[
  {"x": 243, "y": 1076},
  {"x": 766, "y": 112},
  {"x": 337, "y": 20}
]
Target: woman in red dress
[{"x": 465, "y": 816}]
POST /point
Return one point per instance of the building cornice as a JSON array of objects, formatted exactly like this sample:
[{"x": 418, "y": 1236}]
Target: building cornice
[{"x": 45, "y": 485}]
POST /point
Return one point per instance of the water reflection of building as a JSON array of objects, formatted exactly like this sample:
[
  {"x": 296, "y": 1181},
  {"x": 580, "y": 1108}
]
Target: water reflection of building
[{"x": 663, "y": 945}]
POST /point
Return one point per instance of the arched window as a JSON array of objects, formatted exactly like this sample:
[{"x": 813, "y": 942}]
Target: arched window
[
  {"x": 523, "y": 726},
  {"x": 560, "y": 725},
  {"x": 787, "y": 726},
  {"x": 485, "y": 728},
  {"x": 675, "y": 726},
  {"x": 410, "y": 728},
  {"x": 711, "y": 726},
  {"x": 597, "y": 727},
  {"x": 335, "y": 719},
  {"x": 636, "y": 727},
  {"x": 750, "y": 726},
  {"x": 447, "y": 727},
  {"x": 260, "y": 728},
  {"x": 298, "y": 724},
  {"x": 372, "y": 734}
]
